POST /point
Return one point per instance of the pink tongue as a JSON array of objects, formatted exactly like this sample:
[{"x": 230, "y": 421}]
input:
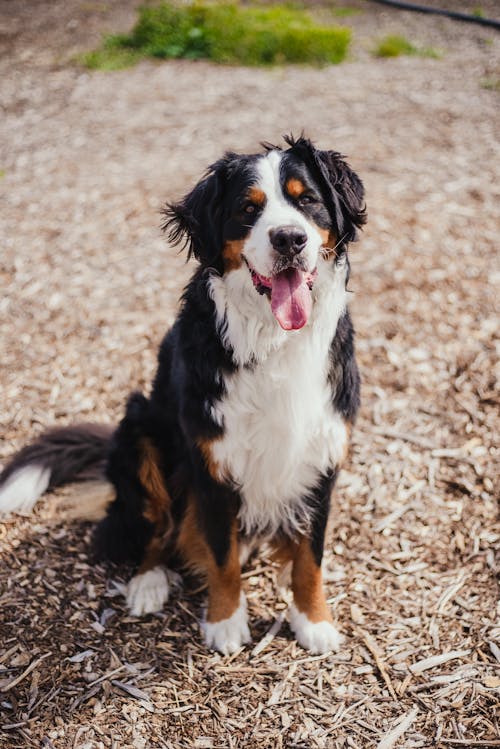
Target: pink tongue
[{"x": 291, "y": 299}]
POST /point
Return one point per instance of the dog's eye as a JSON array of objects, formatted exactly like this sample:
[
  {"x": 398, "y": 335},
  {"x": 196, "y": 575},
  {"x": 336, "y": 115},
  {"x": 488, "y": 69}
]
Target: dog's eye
[
  {"x": 306, "y": 200},
  {"x": 249, "y": 208}
]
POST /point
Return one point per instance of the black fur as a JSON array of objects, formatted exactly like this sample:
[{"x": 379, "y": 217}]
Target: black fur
[
  {"x": 124, "y": 533},
  {"x": 204, "y": 219},
  {"x": 341, "y": 187},
  {"x": 320, "y": 509},
  {"x": 344, "y": 374}
]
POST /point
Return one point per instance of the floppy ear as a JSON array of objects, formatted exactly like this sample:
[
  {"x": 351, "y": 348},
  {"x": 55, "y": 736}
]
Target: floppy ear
[
  {"x": 346, "y": 193},
  {"x": 342, "y": 189},
  {"x": 196, "y": 221}
]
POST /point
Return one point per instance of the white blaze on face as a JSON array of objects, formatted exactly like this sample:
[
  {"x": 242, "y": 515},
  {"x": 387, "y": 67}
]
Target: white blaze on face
[
  {"x": 278, "y": 211},
  {"x": 291, "y": 298}
]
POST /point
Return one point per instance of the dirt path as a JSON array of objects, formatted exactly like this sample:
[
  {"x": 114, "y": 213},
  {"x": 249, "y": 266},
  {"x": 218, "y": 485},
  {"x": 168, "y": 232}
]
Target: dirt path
[{"x": 88, "y": 287}]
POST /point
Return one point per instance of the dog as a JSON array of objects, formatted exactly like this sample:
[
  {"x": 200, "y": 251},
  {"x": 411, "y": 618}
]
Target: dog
[{"x": 252, "y": 405}]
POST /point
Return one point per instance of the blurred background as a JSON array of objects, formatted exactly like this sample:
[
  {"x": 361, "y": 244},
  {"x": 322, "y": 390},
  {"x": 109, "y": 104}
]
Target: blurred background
[{"x": 88, "y": 286}]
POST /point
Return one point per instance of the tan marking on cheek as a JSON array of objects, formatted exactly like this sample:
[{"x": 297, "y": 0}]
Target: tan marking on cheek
[
  {"x": 329, "y": 244},
  {"x": 324, "y": 234},
  {"x": 257, "y": 196},
  {"x": 224, "y": 582},
  {"x": 307, "y": 584},
  {"x": 295, "y": 187},
  {"x": 232, "y": 254}
]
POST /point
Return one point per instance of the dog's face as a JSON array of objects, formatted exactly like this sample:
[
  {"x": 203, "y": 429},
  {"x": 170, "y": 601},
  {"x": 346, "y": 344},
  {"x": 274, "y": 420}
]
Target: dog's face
[{"x": 279, "y": 214}]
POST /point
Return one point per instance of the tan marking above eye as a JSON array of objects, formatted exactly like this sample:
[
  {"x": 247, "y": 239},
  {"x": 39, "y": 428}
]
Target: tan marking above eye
[
  {"x": 257, "y": 196},
  {"x": 295, "y": 187}
]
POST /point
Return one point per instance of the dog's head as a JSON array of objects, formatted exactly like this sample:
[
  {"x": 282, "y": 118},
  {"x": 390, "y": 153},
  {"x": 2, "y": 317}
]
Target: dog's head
[{"x": 280, "y": 214}]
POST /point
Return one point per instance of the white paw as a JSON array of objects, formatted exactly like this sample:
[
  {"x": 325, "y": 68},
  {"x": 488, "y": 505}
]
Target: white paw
[
  {"x": 317, "y": 637},
  {"x": 228, "y": 635},
  {"x": 148, "y": 591}
]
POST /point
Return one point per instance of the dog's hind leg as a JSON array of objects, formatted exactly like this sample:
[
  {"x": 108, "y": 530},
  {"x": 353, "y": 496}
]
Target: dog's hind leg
[
  {"x": 149, "y": 589},
  {"x": 138, "y": 525}
]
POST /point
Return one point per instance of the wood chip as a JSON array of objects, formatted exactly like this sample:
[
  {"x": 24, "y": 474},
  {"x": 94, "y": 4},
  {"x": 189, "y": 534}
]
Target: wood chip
[
  {"x": 395, "y": 733},
  {"x": 270, "y": 634},
  {"x": 5, "y": 687},
  {"x": 79, "y": 657},
  {"x": 132, "y": 690},
  {"x": 437, "y": 660},
  {"x": 376, "y": 652},
  {"x": 495, "y": 650}
]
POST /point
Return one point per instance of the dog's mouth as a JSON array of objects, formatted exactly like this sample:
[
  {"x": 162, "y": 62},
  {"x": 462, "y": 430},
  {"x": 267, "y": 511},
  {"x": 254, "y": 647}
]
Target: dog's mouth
[{"x": 290, "y": 292}]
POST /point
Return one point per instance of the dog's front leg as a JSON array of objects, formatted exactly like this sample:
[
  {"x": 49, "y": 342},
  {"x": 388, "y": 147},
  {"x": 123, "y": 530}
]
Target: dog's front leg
[
  {"x": 225, "y": 625},
  {"x": 208, "y": 542},
  {"x": 310, "y": 617}
]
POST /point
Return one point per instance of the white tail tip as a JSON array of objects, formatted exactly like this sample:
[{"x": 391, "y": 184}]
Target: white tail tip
[{"x": 21, "y": 490}]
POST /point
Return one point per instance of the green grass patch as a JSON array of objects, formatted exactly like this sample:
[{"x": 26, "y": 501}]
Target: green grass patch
[
  {"x": 225, "y": 33},
  {"x": 111, "y": 56},
  {"x": 394, "y": 45}
]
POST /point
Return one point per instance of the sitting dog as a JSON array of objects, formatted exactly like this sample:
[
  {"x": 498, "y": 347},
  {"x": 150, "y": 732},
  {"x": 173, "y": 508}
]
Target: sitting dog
[{"x": 249, "y": 416}]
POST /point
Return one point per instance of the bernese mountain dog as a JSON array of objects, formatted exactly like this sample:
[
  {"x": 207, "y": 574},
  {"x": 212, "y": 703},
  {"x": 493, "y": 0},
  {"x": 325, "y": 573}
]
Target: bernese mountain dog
[{"x": 256, "y": 391}]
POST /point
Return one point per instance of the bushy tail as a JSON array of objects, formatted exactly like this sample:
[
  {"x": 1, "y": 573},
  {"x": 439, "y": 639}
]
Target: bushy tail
[{"x": 58, "y": 456}]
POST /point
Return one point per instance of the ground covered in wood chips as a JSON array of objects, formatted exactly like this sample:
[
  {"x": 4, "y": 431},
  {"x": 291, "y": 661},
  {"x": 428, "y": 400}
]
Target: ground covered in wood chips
[{"x": 88, "y": 287}]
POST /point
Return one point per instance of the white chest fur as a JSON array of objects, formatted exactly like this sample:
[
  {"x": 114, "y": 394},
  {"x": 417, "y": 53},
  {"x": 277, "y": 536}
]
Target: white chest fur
[{"x": 280, "y": 428}]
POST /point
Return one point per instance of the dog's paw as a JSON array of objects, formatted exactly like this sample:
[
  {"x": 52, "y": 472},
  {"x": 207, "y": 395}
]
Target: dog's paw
[
  {"x": 317, "y": 637},
  {"x": 148, "y": 591},
  {"x": 228, "y": 635}
]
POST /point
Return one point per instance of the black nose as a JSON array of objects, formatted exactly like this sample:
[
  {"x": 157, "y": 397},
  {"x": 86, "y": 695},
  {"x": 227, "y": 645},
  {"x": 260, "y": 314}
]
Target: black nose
[{"x": 288, "y": 240}]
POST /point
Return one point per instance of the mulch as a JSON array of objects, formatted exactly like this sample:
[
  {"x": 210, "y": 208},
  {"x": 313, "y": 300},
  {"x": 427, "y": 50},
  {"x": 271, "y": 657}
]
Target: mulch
[{"x": 89, "y": 286}]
